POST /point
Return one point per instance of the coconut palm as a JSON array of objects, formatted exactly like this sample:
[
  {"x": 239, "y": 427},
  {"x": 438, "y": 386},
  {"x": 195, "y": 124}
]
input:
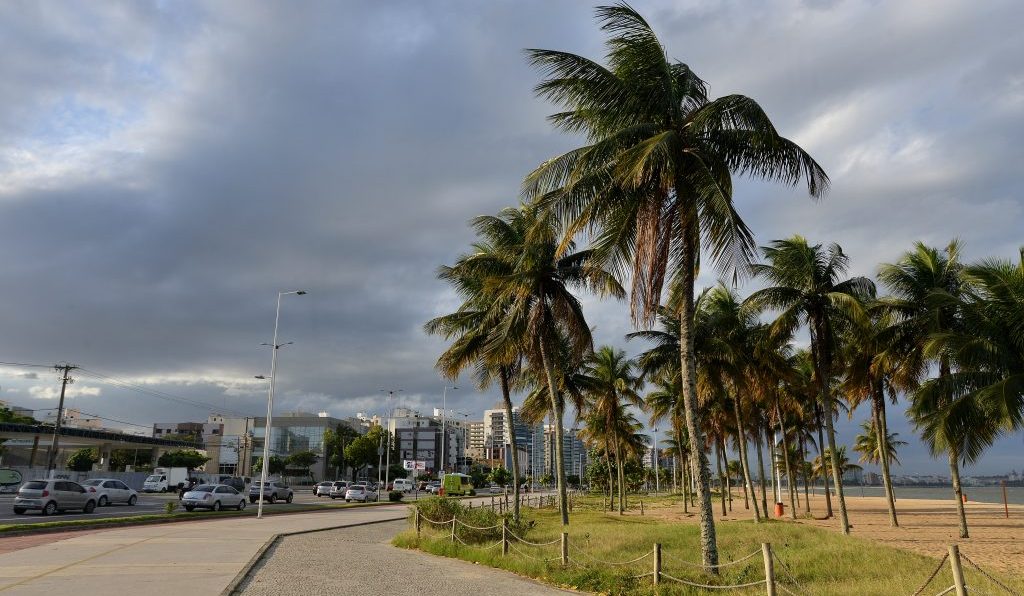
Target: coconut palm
[
  {"x": 541, "y": 320},
  {"x": 928, "y": 290},
  {"x": 824, "y": 468},
  {"x": 610, "y": 382},
  {"x": 871, "y": 450},
  {"x": 806, "y": 285},
  {"x": 654, "y": 182}
]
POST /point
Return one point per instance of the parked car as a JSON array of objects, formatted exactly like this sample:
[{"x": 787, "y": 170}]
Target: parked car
[
  {"x": 404, "y": 485},
  {"x": 338, "y": 489},
  {"x": 51, "y": 496},
  {"x": 360, "y": 493},
  {"x": 434, "y": 486},
  {"x": 110, "y": 490},
  {"x": 236, "y": 482},
  {"x": 323, "y": 489},
  {"x": 214, "y": 497},
  {"x": 272, "y": 492}
]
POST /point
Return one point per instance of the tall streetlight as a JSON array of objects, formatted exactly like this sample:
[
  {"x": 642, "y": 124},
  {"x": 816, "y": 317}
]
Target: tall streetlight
[
  {"x": 270, "y": 397},
  {"x": 657, "y": 464},
  {"x": 444, "y": 412},
  {"x": 391, "y": 412}
]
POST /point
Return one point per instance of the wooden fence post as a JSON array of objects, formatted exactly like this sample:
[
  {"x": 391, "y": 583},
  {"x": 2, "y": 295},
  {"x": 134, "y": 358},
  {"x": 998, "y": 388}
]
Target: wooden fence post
[
  {"x": 769, "y": 568},
  {"x": 565, "y": 549},
  {"x": 504, "y": 537},
  {"x": 453, "y": 529},
  {"x": 641, "y": 506},
  {"x": 958, "y": 571},
  {"x": 492, "y": 502},
  {"x": 417, "y": 510},
  {"x": 657, "y": 563}
]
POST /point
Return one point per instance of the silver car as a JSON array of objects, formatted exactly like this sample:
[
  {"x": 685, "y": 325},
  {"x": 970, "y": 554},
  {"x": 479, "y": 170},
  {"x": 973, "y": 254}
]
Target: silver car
[
  {"x": 323, "y": 489},
  {"x": 51, "y": 496},
  {"x": 361, "y": 493},
  {"x": 214, "y": 497},
  {"x": 110, "y": 490}
]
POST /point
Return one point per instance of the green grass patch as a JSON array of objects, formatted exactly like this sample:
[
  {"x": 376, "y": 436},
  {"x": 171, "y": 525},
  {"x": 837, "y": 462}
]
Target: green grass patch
[{"x": 816, "y": 561}]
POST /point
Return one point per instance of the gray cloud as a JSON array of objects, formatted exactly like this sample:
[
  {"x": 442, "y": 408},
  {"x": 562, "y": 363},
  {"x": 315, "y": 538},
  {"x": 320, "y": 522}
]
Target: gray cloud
[{"x": 166, "y": 169}]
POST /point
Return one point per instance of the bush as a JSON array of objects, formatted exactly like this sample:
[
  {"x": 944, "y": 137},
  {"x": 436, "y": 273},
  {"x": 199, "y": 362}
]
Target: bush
[
  {"x": 440, "y": 509},
  {"x": 395, "y": 496},
  {"x": 472, "y": 493},
  {"x": 170, "y": 506}
]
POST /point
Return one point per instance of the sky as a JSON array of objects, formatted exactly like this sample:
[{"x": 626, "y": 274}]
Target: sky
[{"x": 166, "y": 168}]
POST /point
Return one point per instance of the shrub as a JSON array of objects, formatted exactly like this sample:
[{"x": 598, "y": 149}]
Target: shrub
[
  {"x": 440, "y": 509},
  {"x": 170, "y": 506},
  {"x": 395, "y": 496}
]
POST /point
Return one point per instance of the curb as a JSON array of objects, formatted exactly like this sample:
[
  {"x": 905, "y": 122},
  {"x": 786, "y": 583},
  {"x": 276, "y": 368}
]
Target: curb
[{"x": 232, "y": 588}]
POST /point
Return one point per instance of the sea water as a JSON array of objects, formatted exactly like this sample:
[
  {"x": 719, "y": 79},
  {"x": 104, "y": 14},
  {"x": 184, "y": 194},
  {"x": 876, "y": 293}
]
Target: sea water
[{"x": 981, "y": 494}]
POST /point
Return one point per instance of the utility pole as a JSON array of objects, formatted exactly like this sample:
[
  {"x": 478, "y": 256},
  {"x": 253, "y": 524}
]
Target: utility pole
[{"x": 65, "y": 370}]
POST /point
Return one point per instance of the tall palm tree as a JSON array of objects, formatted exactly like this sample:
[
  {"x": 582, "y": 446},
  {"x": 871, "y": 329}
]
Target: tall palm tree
[
  {"x": 871, "y": 450},
  {"x": 824, "y": 466},
  {"x": 610, "y": 381},
  {"x": 805, "y": 284},
  {"x": 655, "y": 181},
  {"x": 928, "y": 290}
]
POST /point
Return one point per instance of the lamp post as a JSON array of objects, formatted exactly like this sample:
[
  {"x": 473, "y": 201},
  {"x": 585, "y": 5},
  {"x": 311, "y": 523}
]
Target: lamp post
[
  {"x": 444, "y": 437},
  {"x": 391, "y": 413},
  {"x": 657, "y": 464},
  {"x": 270, "y": 397}
]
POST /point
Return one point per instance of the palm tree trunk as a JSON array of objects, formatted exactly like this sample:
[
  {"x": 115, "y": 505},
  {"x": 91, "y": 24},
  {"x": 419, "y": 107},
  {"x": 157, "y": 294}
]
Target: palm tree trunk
[
  {"x": 686, "y": 486},
  {"x": 803, "y": 468},
  {"x": 556, "y": 408},
  {"x": 507, "y": 396},
  {"x": 772, "y": 461},
  {"x": 621, "y": 474},
  {"x": 741, "y": 445},
  {"x": 611, "y": 481},
  {"x": 721, "y": 479},
  {"x": 790, "y": 479},
  {"x": 821, "y": 451},
  {"x": 725, "y": 461},
  {"x": 824, "y": 375},
  {"x": 882, "y": 436},
  {"x": 760, "y": 466},
  {"x": 954, "y": 471}
]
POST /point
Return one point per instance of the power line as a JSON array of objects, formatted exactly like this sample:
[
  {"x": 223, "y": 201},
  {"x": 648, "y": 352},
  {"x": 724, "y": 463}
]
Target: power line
[
  {"x": 26, "y": 364},
  {"x": 158, "y": 394}
]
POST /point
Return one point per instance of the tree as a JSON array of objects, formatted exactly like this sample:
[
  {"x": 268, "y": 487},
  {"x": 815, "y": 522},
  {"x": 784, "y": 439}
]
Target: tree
[
  {"x": 335, "y": 442},
  {"x": 928, "y": 293},
  {"x": 83, "y": 460},
  {"x": 871, "y": 450},
  {"x": 543, "y": 318},
  {"x": 9, "y": 415},
  {"x": 500, "y": 476},
  {"x": 806, "y": 285},
  {"x": 610, "y": 382},
  {"x": 363, "y": 451},
  {"x": 276, "y": 465},
  {"x": 121, "y": 458},
  {"x": 654, "y": 184},
  {"x": 823, "y": 468},
  {"x": 303, "y": 460},
  {"x": 189, "y": 459}
]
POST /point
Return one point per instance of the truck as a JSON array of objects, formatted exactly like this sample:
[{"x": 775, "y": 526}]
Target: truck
[
  {"x": 165, "y": 479},
  {"x": 457, "y": 485}
]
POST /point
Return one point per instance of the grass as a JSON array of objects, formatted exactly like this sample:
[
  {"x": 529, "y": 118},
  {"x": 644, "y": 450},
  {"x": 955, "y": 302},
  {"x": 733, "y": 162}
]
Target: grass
[
  {"x": 74, "y": 524},
  {"x": 819, "y": 561}
]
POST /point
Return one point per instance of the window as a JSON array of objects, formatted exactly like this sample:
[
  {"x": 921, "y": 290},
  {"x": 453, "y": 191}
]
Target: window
[
  {"x": 110, "y": 484},
  {"x": 35, "y": 485},
  {"x": 121, "y": 485}
]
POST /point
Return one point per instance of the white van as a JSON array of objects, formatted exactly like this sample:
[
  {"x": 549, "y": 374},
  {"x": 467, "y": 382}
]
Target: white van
[{"x": 404, "y": 484}]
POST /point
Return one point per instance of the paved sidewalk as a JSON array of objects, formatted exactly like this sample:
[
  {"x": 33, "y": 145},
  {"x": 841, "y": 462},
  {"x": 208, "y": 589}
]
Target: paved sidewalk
[
  {"x": 361, "y": 561},
  {"x": 199, "y": 558}
]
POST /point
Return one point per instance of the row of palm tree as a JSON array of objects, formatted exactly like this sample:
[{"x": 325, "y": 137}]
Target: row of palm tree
[{"x": 651, "y": 192}]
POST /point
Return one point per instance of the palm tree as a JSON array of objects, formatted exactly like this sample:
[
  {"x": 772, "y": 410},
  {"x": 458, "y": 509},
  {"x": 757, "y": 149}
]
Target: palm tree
[
  {"x": 871, "y": 450},
  {"x": 823, "y": 469},
  {"x": 805, "y": 284},
  {"x": 610, "y": 382},
  {"x": 655, "y": 179},
  {"x": 928, "y": 290}
]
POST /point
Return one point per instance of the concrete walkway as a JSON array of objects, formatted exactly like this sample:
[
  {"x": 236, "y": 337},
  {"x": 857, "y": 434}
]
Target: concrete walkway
[
  {"x": 361, "y": 561},
  {"x": 199, "y": 558}
]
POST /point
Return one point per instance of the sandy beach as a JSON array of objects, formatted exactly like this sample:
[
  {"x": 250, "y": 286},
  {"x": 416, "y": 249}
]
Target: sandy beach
[{"x": 927, "y": 526}]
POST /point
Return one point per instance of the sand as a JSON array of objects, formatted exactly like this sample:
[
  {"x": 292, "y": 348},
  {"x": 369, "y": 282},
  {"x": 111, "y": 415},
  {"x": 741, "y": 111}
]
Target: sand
[{"x": 927, "y": 526}]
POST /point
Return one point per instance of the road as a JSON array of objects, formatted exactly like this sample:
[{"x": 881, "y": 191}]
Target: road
[{"x": 152, "y": 503}]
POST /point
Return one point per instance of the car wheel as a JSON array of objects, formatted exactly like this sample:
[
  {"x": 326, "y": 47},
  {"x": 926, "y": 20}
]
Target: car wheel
[
  {"x": 241, "y": 505},
  {"x": 132, "y": 500},
  {"x": 90, "y": 506},
  {"x": 189, "y": 507},
  {"x": 290, "y": 497},
  {"x": 273, "y": 498},
  {"x": 50, "y": 508},
  {"x": 216, "y": 505},
  {"x": 333, "y": 497},
  {"x": 103, "y": 501},
  {"x": 19, "y": 511},
  {"x": 346, "y": 500}
]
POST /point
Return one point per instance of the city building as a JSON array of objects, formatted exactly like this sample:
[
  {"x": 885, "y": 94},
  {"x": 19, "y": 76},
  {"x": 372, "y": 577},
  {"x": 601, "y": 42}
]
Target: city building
[
  {"x": 419, "y": 438},
  {"x": 74, "y": 418},
  {"x": 497, "y": 433},
  {"x": 574, "y": 452},
  {"x": 475, "y": 440}
]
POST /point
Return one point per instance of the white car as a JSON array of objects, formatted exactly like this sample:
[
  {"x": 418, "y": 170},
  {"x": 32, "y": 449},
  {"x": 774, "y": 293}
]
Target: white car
[
  {"x": 214, "y": 497},
  {"x": 323, "y": 489},
  {"x": 404, "y": 485},
  {"x": 110, "y": 490},
  {"x": 360, "y": 493},
  {"x": 338, "y": 489}
]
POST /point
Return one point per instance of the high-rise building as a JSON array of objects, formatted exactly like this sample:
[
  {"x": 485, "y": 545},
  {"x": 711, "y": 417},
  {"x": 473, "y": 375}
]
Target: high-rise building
[
  {"x": 497, "y": 432},
  {"x": 419, "y": 438},
  {"x": 574, "y": 452}
]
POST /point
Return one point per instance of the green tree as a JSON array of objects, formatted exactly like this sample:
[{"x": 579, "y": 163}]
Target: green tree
[
  {"x": 302, "y": 460},
  {"x": 871, "y": 450},
  {"x": 335, "y": 442},
  {"x": 189, "y": 459},
  {"x": 805, "y": 284},
  {"x": 82, "y": 460},
  {"x": 8, "y": 415},
  {"x": 138, "y": 458},
  {"x": 276, "y": 465},
  {"x": 823, "y": 470},
  {"x": 367, "y": 450},
  {"x": 501, "y": 476},
  {"x": 654, "y": 184}
]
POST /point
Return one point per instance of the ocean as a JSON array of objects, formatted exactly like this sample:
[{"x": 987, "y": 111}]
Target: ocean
[{"x": 982, "y": 494}]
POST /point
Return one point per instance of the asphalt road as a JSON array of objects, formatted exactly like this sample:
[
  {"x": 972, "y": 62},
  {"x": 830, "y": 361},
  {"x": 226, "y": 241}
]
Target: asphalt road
[{"x": 149, "y": 504}]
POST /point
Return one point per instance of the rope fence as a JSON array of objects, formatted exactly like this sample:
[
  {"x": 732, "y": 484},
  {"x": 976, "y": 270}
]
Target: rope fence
[{"x": 510, "y": 541}]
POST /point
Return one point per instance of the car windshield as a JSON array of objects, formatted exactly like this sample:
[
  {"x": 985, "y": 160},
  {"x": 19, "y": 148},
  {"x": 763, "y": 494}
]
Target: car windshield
[
  {"x": 35, "y": 485},
  {"x": 92, "y": 482},
  {"x": 153, "y": 478},
  {"x": 203, "y": 488}
]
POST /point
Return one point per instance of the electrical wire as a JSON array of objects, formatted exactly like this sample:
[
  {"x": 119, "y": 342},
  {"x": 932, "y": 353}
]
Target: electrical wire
[{"x": 154, "y": 393}]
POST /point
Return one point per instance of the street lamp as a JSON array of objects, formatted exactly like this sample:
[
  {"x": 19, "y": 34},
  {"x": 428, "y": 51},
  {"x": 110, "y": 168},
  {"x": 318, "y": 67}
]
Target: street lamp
[
  {"x": 270, "y": 397},
  {"x": 657, "y": 464},
  {"x": 444, "y": 412},
  {"x": 391, "y": 413}
]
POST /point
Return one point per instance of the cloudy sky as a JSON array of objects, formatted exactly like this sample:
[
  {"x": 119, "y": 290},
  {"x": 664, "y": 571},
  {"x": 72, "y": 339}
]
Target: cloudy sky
[{"x": 167, "y": 168}]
